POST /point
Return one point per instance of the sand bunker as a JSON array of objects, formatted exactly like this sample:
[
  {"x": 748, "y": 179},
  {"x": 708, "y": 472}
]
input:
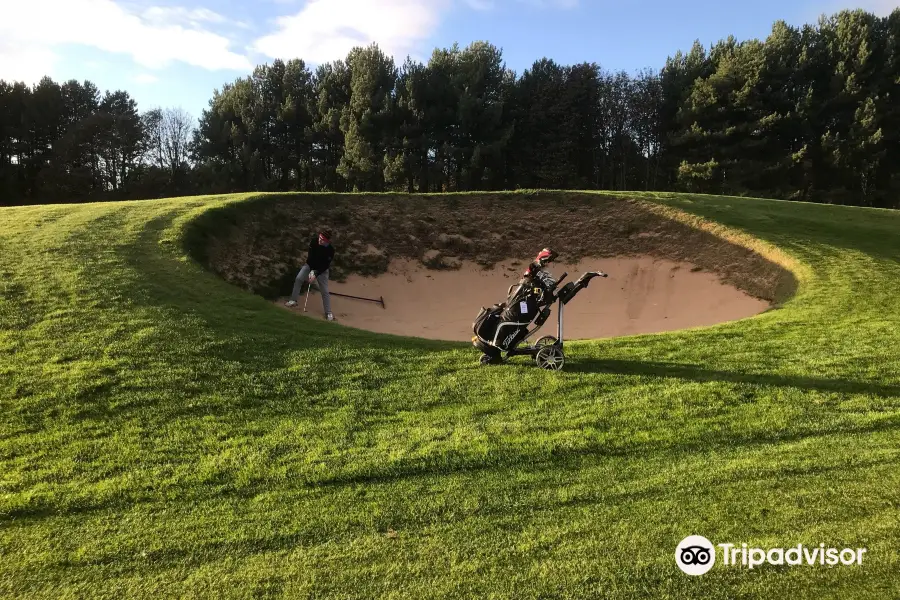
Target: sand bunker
[
  {"x": 641, "y": 295},
  {"x": 437, "y": 259}
]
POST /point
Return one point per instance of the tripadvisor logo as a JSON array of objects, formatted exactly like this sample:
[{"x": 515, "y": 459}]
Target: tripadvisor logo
[{"x": 696, "y": 555}]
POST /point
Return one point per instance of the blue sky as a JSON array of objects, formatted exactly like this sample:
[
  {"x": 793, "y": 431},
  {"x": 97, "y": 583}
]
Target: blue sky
[{"x": 176, "y": 52}]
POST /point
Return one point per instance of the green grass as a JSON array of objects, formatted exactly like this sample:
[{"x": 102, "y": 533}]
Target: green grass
[{"x": 164, "y": 434}]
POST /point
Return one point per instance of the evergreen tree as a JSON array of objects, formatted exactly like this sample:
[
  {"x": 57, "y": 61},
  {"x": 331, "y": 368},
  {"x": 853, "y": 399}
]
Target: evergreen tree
[
  {"x": 809, "y": 113},
  {"x": 364, "y": 119},
  {"x": 332, "y": 93}
]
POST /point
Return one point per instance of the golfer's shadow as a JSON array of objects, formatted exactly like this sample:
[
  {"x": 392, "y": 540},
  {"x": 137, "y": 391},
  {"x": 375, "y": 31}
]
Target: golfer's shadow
[{"x": 687, "y": 372}]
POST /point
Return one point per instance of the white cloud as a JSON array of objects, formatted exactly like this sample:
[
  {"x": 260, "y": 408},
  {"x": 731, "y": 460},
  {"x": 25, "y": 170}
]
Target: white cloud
[
  {"x": 195, "y": 17},
  {"x": 33, "y": 30},
  {"x": 484, "y": 5},
  {"x": 326, "y": 30},
  {"x": 146, "y": 78},
  {"x": 167, "y": 15},
  {"x": 23, "y": 61}
]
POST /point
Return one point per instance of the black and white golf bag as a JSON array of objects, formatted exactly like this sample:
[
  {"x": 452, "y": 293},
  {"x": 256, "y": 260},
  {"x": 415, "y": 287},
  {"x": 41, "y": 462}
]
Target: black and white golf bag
[{"x": 503, "y": 326}]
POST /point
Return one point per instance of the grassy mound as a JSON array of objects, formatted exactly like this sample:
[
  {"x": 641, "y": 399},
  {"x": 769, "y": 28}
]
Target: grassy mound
[
  {"x": 260, "y": 244},
  {"x": 164, "y": 433}
]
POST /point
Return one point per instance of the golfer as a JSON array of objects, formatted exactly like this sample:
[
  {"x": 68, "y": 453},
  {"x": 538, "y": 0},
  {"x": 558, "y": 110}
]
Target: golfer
[{"x": 318, "y": 261}]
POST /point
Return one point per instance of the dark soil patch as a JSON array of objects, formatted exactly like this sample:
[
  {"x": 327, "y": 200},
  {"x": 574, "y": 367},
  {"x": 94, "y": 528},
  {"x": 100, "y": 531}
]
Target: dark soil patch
[{"x": 260, "y": 244}]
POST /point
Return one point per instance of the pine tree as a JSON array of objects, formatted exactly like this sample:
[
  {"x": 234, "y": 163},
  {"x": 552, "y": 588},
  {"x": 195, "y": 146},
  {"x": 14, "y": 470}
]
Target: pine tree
[{"x": 373, "y": 78}]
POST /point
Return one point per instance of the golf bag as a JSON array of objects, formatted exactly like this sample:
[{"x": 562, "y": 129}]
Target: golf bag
[{"x": 503, "y": 326}]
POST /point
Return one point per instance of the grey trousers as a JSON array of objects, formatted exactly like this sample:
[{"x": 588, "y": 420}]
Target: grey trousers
[{"x": 321, "y": 279}]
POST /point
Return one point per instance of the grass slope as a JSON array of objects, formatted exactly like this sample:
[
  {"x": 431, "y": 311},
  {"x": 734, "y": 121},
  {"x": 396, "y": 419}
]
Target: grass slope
[{"x": 164, "y": 434}]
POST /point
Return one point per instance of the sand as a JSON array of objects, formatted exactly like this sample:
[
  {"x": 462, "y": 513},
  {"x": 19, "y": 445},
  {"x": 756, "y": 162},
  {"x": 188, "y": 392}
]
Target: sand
[
  {"x": 641, "y": 295},
  {"x": 259, "y": 245}
]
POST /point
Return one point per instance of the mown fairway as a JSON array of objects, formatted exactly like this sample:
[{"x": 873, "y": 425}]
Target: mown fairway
[{"x": 164, "y": 434}]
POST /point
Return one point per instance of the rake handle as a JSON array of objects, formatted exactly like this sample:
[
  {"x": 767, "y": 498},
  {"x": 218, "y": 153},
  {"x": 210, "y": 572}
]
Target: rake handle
[{"x": 379, "y": 301}]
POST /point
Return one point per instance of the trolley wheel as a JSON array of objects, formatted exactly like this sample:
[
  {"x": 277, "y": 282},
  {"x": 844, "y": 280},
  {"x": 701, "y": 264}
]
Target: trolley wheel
[
  {"x": 547, "y": 340},
  {"x": 487, "y": 359},
  {"x": 551, "y": 358}
]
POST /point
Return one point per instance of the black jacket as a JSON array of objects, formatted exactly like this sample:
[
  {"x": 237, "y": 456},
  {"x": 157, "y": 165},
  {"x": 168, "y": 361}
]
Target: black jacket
[{"x": 320, "y": 257}]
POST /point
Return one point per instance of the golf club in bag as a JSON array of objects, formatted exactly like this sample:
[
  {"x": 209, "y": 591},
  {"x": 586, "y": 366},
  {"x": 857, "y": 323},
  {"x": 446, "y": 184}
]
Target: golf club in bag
[{"x": 502, "y": 327}]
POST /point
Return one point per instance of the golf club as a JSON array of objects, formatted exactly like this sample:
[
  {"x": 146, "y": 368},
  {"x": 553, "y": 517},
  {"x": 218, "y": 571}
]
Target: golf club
[{"x": 308, "y": 288}]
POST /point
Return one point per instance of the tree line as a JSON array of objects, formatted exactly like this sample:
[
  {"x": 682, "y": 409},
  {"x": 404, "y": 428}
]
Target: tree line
[{"x": 810, "y": 113}]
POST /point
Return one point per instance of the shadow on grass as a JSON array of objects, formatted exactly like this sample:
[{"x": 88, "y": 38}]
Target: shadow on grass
[
  {"x": 695, "y": 373},
  {"x": 237, "y": 339},
  {"x": 194, "y": 553},
  {"x": 500, "y": 460},
  {"x": 564, "y": 458}
]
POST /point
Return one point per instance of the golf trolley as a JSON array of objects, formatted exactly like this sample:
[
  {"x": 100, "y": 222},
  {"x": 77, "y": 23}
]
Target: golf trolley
[{"x": 503, "y": 327}]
